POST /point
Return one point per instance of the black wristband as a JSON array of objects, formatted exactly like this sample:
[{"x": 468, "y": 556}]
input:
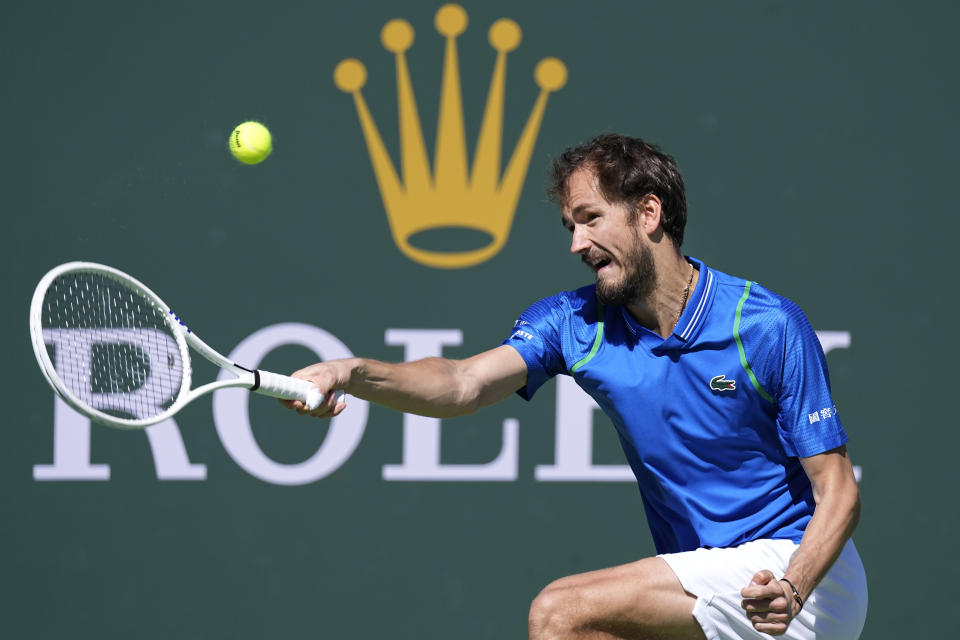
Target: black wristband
[{"x": 796, "y": 594}]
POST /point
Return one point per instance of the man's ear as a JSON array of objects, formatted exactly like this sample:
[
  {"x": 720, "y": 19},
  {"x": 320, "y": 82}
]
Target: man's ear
[{"x": 649, "y": 211}]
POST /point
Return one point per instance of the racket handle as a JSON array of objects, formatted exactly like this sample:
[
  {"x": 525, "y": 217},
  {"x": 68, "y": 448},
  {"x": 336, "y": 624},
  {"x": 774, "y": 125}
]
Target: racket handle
[{"x": 279, "y": 386}]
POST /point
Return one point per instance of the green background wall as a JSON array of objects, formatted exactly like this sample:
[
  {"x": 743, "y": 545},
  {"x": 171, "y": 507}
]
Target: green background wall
[{"x": 818, "y": 143}]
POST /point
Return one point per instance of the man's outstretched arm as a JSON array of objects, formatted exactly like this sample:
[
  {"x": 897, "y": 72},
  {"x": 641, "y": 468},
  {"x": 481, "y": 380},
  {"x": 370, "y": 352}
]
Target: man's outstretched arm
[{"x": 436, "y": 387}]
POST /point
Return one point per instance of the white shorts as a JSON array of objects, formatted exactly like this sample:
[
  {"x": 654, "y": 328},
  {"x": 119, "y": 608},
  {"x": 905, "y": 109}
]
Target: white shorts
[{"x": 836, "y": 610}]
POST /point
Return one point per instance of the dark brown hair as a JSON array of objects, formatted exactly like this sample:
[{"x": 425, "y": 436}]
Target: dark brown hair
[{"x": 628, "y": 170}]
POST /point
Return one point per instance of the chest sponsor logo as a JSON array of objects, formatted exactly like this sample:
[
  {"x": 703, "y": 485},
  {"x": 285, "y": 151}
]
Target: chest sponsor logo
[{"x": 720, "y": 383}]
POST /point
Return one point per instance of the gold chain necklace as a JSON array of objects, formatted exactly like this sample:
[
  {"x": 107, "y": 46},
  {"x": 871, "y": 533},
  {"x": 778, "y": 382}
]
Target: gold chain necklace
[{"x": 686, "y": 295}]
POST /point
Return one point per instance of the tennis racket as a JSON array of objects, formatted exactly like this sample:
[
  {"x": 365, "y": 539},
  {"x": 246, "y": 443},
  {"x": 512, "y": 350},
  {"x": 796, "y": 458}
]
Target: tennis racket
[{"x": 115, "y": 352}]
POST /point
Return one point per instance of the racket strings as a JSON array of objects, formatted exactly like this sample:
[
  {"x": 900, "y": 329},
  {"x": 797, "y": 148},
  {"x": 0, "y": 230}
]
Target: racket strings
[{"x": 111, "y": 345}]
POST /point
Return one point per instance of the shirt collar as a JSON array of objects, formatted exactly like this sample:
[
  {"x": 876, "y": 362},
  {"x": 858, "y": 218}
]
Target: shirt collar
[
  {"x": 692, "y": 318},
  {"x": 696, "y": 310}
]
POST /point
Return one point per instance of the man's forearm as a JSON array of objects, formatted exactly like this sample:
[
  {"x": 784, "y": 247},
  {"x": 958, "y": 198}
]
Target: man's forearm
[
  {"x": 435, "y": 387},
  {"x": 833, "y": 522},
  {"x": 432, "y": 386}
]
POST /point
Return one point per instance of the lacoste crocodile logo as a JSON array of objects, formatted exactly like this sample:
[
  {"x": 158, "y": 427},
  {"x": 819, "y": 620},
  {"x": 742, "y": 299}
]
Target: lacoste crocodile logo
[{"x": 720, "y": 383}]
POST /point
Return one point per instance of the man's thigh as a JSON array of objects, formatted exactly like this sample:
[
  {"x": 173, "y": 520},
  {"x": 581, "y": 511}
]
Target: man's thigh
[{"x": 643, "y": 599}]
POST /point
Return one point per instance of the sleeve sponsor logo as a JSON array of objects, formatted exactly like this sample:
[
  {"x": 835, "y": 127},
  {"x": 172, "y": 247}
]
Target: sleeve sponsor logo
[{"x": 822, "y": 414}]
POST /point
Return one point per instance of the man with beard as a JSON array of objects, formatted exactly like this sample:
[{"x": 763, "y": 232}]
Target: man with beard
[{"x": 719, "y": 391}]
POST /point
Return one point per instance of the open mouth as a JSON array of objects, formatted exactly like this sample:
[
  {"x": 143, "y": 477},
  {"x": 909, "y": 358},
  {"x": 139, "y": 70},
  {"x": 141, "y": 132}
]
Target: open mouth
[{"x": 597, "y": 264}]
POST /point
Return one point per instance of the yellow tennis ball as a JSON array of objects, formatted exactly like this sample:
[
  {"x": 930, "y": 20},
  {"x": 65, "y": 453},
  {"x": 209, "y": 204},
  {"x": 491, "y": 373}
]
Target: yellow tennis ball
[{"x": 251, "y": 142}]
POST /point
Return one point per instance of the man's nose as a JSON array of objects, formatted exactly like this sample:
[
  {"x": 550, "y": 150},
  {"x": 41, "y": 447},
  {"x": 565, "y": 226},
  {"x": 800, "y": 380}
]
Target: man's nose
[{"x": 579, "y": 242}]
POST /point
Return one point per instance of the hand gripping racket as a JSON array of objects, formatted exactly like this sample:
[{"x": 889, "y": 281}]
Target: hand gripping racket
[{"x": 113, "y": 350}]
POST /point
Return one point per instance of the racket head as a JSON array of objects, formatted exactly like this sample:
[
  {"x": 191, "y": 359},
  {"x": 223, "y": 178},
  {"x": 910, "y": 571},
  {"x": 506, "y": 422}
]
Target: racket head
[{"x": 120, "y": 355}]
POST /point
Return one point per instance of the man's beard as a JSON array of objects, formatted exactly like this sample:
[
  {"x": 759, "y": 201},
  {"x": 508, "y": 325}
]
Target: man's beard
[{"x": 637, "y": 282}]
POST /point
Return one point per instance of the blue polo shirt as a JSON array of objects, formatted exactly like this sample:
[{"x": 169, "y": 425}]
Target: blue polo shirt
[{"x": 713, "y": 418}]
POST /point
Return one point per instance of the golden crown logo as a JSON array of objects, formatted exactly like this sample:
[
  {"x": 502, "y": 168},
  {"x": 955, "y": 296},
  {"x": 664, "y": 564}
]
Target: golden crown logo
[{"x": 450, "y": 198}]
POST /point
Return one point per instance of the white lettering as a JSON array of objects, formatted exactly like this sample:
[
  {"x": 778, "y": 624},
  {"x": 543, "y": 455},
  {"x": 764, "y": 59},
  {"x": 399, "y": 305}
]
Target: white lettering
[
  {"x": 169, "y": 454},
  {"x": 830, "y": 340},
  {"x": 71, "y": 430},
  {"x": 421, "y": 435},
  {"x": 71, "y": 448},
  {"x": 421, "y": 454},
  {"x": 74, "y": 357},
  {"x": 71, "y": 451},
  {"x": 231, "y": 411},
  {"x": 574, "y": 441}
]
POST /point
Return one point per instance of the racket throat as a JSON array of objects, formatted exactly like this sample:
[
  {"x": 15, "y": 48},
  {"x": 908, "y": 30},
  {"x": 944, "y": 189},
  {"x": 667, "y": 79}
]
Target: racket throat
[{"x": 256, "y": 376}]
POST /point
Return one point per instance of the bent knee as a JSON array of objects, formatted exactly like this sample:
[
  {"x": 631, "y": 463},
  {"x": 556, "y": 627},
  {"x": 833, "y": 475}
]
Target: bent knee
[{"x": 552, "y": 612}]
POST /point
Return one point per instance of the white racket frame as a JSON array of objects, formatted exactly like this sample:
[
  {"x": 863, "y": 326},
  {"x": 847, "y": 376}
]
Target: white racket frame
[{"x": 266, "y": 383}]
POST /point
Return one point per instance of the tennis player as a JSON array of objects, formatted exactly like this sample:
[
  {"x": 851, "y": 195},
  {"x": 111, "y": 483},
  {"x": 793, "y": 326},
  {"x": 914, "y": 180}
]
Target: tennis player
[{"x": 719, "y": 392}]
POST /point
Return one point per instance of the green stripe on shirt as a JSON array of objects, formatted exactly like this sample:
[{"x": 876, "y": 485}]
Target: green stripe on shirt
[{"x": 743, "y": 355}]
